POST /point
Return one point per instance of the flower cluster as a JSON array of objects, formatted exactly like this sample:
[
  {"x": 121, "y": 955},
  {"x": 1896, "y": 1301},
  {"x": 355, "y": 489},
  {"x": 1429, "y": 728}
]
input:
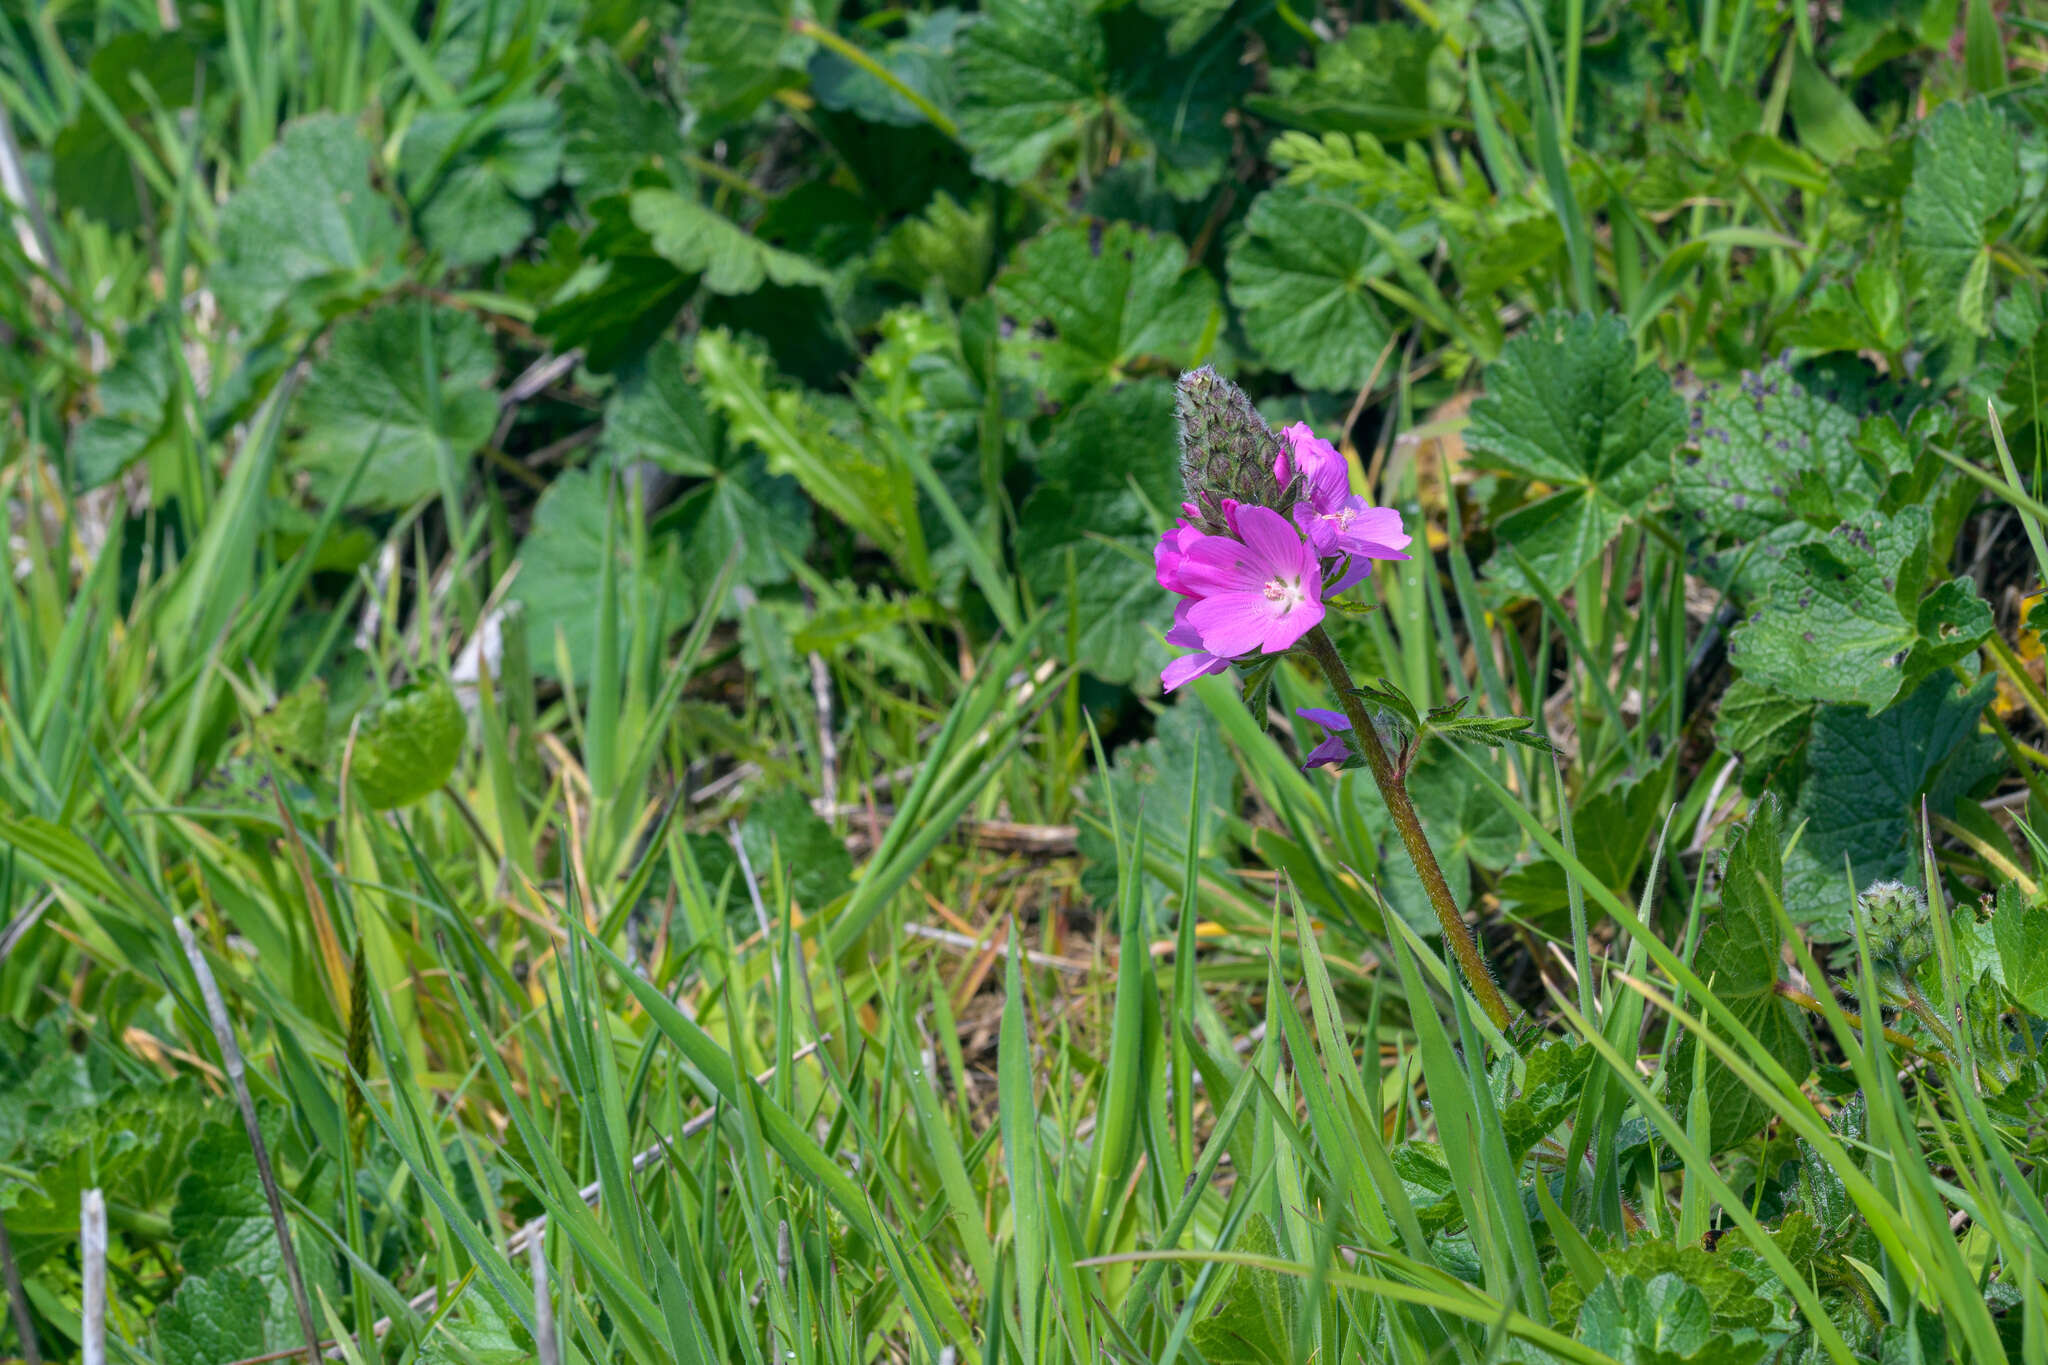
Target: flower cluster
[{"x": 1252, "y": 571}]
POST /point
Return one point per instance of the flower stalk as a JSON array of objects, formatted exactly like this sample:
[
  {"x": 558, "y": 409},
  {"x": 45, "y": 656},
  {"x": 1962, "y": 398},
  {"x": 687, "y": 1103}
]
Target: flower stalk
[{"x": 1394, "y": 791}]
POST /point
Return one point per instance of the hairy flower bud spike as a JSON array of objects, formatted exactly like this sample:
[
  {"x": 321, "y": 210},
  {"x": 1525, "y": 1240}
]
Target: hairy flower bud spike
[
  {"x": 1227, "y": 452},
  {"x": 1901, "y": 934}
]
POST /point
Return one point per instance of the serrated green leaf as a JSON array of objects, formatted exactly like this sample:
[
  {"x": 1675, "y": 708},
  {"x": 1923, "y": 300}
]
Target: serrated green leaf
[
  {"x": 214, "y": 1317},
  {"x": 1092, "y": 302},
  {"x": 1032, "y": 75},
  {"x": 949, "y": 242},
  {"x": 659, "y": 416},
  {"x": 307, "y": 227},
  {"x": 608, "y": 292},
  {"x": 90, "y": 171},
  {"x": 471, "y": 181},
  {"x": 223, "y": 1224},
  {"x": 483, "y": 1332},
  {"x": 296, "y": 727},
  {"x": 1845, "y": 623},
  {"x": 1662, "y": 1321},
  {"x": 611, "y": 126},
  {"x": 1739, "y": 957},
  {"x": 922, "y": 59},
  {"x": 1866, "y": 778},
  {"x": 742, "y": 51},
  {"x": 1759, "y": 447},
  {"x": 408, "y": 746},
  {"x": 1729, "y": 1282},
  {"x": 735, "y": 503},
  {"x": 1767, "y": 730},
  {"x": 1611, "y": 828},
  {"x": 1176, "y": 106},
  {"x": 1039, "y": 76},
  {"x": 1254, "y": 1315},
  {"x": 1965, "y": 175},
  {"x": 732, "y": 260},
  {"x": 2020, "y": 929},
  {"x": 1375, "y": 79},
  {"x": 370, "y": 390},
  {"x": 1554, "y": 1079},
  {"x": 1298, "y": 275},
  {"x": 810, "y": 437},
  {"x": 1567, "y": 405}
]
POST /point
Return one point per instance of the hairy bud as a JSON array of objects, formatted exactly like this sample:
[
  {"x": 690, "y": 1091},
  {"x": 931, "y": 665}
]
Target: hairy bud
[
  {"x": 1895, "y": 915},
  {"x": 1227, "y": 452}
]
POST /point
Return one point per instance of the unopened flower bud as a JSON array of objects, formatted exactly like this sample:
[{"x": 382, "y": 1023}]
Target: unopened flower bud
[
  {"x": 1227, "y": 452},
  {"x": 1895, "y": 916}
]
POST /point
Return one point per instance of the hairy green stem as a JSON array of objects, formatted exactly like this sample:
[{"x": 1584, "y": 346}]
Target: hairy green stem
[
  {"x": 1924, "y": 1012},
  {"x": 1394, "y": 791}
]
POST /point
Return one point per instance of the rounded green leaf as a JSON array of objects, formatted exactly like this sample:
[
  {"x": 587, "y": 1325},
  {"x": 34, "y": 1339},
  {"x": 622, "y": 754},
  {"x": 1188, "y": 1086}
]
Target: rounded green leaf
[{"x": 408, "y": 746}]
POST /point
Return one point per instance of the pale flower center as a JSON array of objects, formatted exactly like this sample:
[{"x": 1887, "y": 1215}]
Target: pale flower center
[{"x": 1285, "y": 593}]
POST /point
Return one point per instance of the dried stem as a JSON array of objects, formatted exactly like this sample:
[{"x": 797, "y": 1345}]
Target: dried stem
[
  {"x": 17, "y": 1302},
  {"x": 92, "y": 1250},
  {"x": 547, "y": 1350},
  {"x": 231, "y": 1060},
  {"x": 1792, "y": 995},
  {"x": 1394, "y": 790}
]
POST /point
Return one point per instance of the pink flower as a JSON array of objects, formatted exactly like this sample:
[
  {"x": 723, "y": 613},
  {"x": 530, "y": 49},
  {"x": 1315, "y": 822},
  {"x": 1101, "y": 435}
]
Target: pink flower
[
  {"x": 1316, "y": 460},
  {"x": 1336, "y": 520},
  {"x": 1353, "y": 527},
  {"x": 1333, "y": 748},
  {"x": 1263, "y": 592},
  {"x": 1188, "y": 667},
  {"x": 1168, "y": 555}
]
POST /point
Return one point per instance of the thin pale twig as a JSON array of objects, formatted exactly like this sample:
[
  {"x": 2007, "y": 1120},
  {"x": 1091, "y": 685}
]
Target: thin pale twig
[
  {"x": 953, "y": 939},
  {"x": 14, "y": 933},
  {"x": 739, "y": 848},
  {"x": 547, "y": 1350},
  {"x": 92, "y": 1253},
  {"x": 828, "y": 743},
  {"x": 238, "y": 1081}
]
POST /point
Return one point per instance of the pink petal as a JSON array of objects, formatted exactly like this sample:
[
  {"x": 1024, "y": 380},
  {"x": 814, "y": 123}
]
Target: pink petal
[
  {"x": 1189, "y": 667},
  {"x": 1233, "y": 623},
  {"x": 1332, "y": 750},
  {"x": 1183, "y": 633},
  {"x": 1321, "y": 532},
  {"x": 1381, "y": 526},
  {"x": 1356, "y": 567},
  {"x": 1286, "y": 629},
  {"x": 1170, "y": 554},
  {"x": 1216, "y": 564},
  {"x": 1324, "y": 466},
  {"x": 1276, "y": 547}
]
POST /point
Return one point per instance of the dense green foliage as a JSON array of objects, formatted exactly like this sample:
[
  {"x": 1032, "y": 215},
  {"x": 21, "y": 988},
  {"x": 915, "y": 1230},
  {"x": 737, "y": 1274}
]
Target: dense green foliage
[{"x": 600, "y": 557}]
